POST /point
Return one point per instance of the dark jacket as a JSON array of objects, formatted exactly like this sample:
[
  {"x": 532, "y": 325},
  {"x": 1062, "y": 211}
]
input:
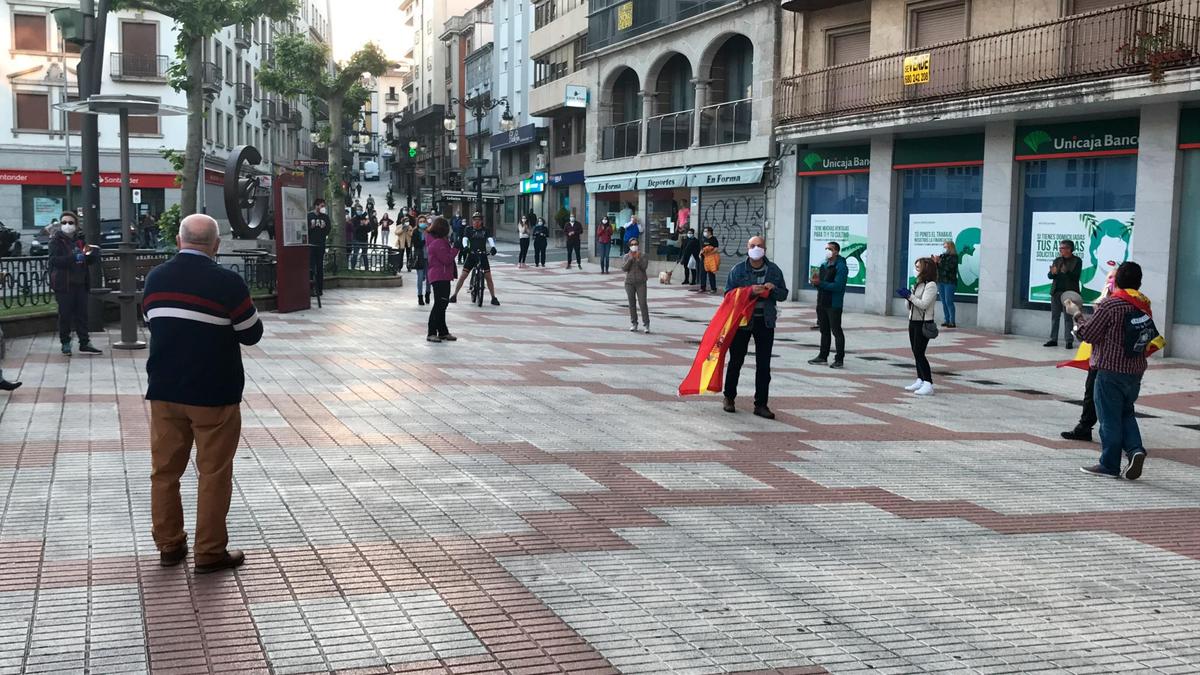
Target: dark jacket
[
  {"x": 318, "y": 229},
  {"x": 199, "y": 315},
  {"x": 947, "y": 269},
  {"x": 573, "y": 231},
  {"x": 689, "y": 247},
  {"x": 1067, "y": 279},
  {"x": 831, "y": 283},
  {"x": 67, "y": 268},
  {"x": 540, "y": 233},
  {"x": 740, "y": 276},
  {"x": 419, "y": 260}
]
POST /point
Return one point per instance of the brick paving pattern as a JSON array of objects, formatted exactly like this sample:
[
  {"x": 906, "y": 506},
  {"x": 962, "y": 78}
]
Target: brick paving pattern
[{"x": 534, "y": 498}]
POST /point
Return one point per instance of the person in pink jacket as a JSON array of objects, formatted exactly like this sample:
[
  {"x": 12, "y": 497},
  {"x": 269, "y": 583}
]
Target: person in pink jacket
[{"x": 440, "y": 272}]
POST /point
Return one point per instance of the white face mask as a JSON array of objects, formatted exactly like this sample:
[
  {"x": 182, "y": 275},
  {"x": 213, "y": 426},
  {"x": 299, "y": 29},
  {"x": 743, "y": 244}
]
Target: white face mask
[
  {"x": 633, "y": 249},
  {"x": 321, "y": 210},
  {"x": 68, "y": 230},
  {"x": 829, "y": 254},
  {"x": 757, "y": 253}
]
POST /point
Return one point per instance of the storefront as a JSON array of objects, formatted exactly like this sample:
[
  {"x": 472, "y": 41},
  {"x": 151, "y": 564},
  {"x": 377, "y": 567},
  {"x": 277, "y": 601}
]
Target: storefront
[
  {"x": 1077, "y": 182},
  {"x": 1186, "y": 287},
  {"x": 617, "y": 197},
  {"x": 568, "y": 189},
  {"x": 42, "y": 195},
  {"x": 733, "y": 202},
  {"x": 941, "y": 198},
  {"x": 668, "y": 209},
  {"x": 834, "y": 189}
]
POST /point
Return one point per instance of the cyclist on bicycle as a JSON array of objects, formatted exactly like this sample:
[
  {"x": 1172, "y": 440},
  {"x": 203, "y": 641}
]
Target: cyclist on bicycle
[{"x": 478, "y": 244}]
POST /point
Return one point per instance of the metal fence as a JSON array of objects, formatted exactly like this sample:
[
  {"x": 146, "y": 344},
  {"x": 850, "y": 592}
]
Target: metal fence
[
  {"x": 256, "y": 268},
  {"x": 1137, "y": 37},
  {"x": 726, "y": 122},
  {"x": 25, "y": 282},
  {"x": 365, "y": 258},
  {"x": 672, "y": 131}
]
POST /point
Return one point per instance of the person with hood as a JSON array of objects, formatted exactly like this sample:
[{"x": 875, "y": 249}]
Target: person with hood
[
  {"x": 70, "y": 257},
  {"x": 766, "y": 281},
  {"x": 574, "y": 233},
  {"x": 604, "y": 235},
  {"x": 541, "y": 237}
]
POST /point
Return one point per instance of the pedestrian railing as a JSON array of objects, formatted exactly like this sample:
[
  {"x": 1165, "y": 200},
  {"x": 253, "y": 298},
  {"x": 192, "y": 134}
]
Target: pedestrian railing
[
  {"x": 621, "y": 140},
  {"x": 257, "y": 269},
  {"x": 363, "y": 258},
  {"x": 672, "y": 131},
  {"x": 25, "y": 282},
  {"x": 724, "y": 123}
]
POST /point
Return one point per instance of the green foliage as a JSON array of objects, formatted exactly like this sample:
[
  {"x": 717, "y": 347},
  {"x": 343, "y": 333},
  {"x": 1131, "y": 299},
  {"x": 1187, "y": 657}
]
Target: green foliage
[
  {"x": 177, "y": 160},
  {"x": 168, "y": 225},
  {"x": 301, "y": 68},
  {"x": 562, "y": 216}
]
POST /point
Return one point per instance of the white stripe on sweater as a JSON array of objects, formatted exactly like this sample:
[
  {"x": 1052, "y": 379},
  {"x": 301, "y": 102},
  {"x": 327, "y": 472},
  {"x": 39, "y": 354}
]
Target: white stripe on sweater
[
  {"x": 190, "y": 315},
  {"x": 248, "y": 323}
]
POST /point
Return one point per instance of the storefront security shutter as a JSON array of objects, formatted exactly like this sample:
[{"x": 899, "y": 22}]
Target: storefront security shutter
[
  {"x": 938, "y": 24},
  {"x": 735, "y": 214}
]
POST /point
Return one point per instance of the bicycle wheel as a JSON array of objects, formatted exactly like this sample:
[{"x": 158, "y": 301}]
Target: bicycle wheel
[{"x": 479, "y": 289}]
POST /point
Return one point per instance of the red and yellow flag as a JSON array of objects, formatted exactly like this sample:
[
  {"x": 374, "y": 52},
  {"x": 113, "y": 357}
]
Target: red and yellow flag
[
  {"x": 708, "y": 369},
  {"x": 1084, "y": 355}
]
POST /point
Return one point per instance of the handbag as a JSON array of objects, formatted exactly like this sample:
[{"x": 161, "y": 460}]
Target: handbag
[{"x": 929, "y": 329}]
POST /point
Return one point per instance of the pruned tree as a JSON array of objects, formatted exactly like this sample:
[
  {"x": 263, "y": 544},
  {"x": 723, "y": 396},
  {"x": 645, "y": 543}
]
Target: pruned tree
[
  {"x": 303, "y": 68},
  {"x": 198, "y": 20}
]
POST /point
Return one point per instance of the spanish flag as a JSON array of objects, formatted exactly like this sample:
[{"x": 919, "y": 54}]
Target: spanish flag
[
  {"x": 1084, "y": 355},
  {"x": 708, "y": 369}
]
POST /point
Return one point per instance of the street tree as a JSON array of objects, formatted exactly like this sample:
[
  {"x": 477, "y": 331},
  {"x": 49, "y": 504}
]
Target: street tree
[
  {"x": 197, "y": 21},
  {"x": 304, "y": 68}
]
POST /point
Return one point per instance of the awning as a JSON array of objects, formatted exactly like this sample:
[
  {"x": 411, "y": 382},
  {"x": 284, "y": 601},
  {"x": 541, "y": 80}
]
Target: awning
[
  {"x": 662, "y": 179},
  {"x": 618, "y": 182},
  {"x": 733, "y": 173}
]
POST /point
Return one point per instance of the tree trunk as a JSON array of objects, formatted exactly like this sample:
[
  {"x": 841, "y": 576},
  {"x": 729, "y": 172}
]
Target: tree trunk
[
  {"x": 193, "y": 169},
  {"x": 334, "y": 194}
]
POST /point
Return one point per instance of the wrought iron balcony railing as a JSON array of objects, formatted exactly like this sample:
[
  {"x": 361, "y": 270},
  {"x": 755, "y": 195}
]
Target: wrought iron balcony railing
[{"x": 141, "y": 67}]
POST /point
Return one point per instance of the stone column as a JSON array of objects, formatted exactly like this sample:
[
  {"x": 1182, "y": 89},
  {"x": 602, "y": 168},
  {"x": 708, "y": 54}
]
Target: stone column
[
  {"x": 881, "y": 206},
  {"x": 783, "y": 235},
  {"x": 1157, "y": 220},
  {"x": 701, "y": 101},
  {"x": 647, "y": 112},
  {"x": 999, "y": 228}
]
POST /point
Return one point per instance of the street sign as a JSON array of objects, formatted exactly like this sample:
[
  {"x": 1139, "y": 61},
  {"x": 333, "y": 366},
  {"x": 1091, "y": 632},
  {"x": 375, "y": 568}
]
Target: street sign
[{"x": 137, "y": 196}]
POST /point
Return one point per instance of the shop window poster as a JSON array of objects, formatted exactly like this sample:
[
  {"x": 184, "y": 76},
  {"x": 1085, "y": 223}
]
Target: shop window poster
[
  {"x": 46, "y": 209},
  {"x": 927, "y": 232},
  {"x": 847, "y": 229},
  {"x": 1103, "y": 240}
]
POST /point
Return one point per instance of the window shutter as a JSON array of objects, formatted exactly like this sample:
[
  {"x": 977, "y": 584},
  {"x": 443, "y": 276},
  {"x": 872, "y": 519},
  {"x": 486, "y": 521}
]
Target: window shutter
[
  {"x": 29, "y": 32},
  {"x": 1083, "y": 6},
  {"x": 33, "y": 111},
  {"x": 939, "y": 24},
  {"x": 849, "y": 47}
]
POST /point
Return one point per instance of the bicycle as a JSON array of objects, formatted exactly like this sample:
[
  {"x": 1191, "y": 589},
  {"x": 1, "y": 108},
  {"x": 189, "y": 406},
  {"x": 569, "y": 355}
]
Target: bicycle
[{"x": 477, "y": 282}]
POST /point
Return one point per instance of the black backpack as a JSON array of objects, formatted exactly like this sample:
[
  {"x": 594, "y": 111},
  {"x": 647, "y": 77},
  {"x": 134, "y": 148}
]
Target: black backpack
[{"x": 1140, "y": 331}]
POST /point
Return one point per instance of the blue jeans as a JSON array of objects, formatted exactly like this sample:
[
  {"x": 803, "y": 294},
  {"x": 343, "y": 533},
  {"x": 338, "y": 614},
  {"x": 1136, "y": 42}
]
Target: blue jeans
[
  {"x": 1115, "y": 395},
  {"x": 421, "y": 287},
  {"x": 946, "y": 292},
  {"x": 605, "y": 249}
]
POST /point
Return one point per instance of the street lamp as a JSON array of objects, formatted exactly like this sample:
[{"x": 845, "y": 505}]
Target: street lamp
[{"x": 479, "y": 108}]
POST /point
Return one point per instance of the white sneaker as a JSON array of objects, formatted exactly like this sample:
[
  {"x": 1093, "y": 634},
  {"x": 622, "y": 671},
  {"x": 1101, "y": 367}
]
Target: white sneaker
[
  {"x": 633, "y": 328},
  {"x": 915, "y": 385},
  {"x": 646, "y": 330},
  {"x": 925, "y": 390}
]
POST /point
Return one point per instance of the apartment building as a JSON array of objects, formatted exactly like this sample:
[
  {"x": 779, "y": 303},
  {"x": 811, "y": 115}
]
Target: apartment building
[
  {"x": 560, "y": 96},
  {"x": 1003, "y": 126},
  {"x": 520, "y": 152},
  {"x": 37, "y": 141},
  {"x": 679, "y": 119}
]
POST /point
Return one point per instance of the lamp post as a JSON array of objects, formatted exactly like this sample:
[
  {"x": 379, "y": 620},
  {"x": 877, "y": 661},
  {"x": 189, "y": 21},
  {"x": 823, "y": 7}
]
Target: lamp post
[{"x": 479, "y": 107}]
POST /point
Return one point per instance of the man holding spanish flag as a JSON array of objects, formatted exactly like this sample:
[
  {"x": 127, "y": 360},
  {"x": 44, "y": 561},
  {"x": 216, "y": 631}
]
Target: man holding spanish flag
[
  {"x": 748, "y": 311},
  {"x": 1122, "y": 335}
]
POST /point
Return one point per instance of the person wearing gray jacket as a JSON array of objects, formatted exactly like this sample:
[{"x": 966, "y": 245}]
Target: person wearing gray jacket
[{"x": 634, "y": 264}]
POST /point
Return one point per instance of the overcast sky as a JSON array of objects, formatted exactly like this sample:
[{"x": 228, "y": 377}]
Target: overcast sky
[{"x": 357, "y": 23}]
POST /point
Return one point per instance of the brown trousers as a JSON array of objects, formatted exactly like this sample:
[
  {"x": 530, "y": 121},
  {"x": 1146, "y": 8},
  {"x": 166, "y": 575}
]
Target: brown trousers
[{"x": 215, "y": 430}]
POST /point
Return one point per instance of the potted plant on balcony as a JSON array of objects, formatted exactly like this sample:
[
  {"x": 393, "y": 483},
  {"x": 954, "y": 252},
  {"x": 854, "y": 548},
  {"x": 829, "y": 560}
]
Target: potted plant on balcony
[{"x": 1156, "y": 50}]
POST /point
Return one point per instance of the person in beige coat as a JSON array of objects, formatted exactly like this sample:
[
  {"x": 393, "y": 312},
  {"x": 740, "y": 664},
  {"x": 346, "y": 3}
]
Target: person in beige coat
[
  {"x": 922, "y": 300},
  {"x": 635, "y": 264}
]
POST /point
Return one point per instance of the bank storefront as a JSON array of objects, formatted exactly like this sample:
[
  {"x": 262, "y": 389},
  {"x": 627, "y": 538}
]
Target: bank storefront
[
  {"x": 834, "y": 190},
  {"x": 1186, "y": 287}
]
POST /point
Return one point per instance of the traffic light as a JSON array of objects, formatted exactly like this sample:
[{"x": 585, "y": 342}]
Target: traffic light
[{"x": 412, "y": 153}]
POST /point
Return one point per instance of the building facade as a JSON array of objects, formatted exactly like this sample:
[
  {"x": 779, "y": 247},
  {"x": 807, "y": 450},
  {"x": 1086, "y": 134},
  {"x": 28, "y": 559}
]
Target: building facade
[
  {"x": 919, "y": 123},
  {"x": 679, "y": 116}
]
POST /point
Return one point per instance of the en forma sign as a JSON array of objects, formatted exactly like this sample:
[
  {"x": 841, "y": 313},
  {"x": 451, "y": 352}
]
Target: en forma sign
[{"x": 107, "y": 179}]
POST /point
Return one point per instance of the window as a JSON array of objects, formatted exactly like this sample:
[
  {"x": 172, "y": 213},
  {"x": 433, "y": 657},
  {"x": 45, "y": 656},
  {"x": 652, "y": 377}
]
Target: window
[
  {"x": 207, "y": 127},
  {"x": 229, "y": 129},
  {"x": 848, "y": 45},
  {"x": 935, "y": 22},
  {"x": 74, "y": 120},
  {"x": 143, "y": 126},
  {"x": 229, "y": 71},
  {"x": 219, "y": 141},
  {"x": 523, "y": 154},
  {"x": 29, "y": 32},
  {"x": 33, "y": 111},
  {"x": 580, "y": 134}
]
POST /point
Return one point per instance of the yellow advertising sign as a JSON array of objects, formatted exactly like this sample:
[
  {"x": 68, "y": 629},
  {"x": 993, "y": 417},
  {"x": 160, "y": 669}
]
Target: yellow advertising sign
[
  {"x": 625, "y": 16},
  {"x": 916, "y": 69}
]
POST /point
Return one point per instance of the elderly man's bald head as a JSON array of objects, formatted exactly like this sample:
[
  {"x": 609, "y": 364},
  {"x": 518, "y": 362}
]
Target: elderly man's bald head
[
  {"x": 756, "y": 241},
  {"x": 199, "y": 232}
]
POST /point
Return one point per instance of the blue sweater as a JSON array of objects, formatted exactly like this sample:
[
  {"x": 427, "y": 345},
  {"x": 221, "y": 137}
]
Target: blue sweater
[
  {"x": 741, "y": 275},
  {"x": 199, "y": 314}
]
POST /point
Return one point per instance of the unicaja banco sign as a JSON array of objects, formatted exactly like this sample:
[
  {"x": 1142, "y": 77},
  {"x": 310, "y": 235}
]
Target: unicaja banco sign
[
  {"x": 1109, "y": 137},
  {"x": 835, "y": 160}
]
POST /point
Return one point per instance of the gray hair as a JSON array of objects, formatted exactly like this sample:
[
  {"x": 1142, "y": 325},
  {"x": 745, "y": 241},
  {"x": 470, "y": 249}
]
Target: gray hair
[{"x": 198, "y": 229}]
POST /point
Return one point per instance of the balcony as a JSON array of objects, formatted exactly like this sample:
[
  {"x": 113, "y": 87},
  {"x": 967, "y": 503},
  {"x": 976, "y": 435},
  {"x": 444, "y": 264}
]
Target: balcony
[
  {"x": 726, "y": 123},
  {"x": 295, "y": 119},
  {"x": 1072, "y": 49},
  {"x": 669, "y": 132},
  {"x": 391, "y": 97},
  {"x": 269, "y": 111},
  {"x": 621, "y": 140},
  {"x": 241, "y": 37},
  {"x": 267, "y": 53},
  {"x": 127, "y": 67},
  {"x": 243, "y": 98},
  {"x": 212, "y": 78}
]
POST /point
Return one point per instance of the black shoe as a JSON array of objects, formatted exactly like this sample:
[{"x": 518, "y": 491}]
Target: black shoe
[
  {"x": 5, "y": 385},
  {"x": 1097, "y": 470},
  {"x": 729, "y": 406},
  {"x": 448, "y": 338},
  {"x": 1052, "y": 343},
  {"x": 427, "y": 298},
  {"x": 836, "y": 365},
  {"x": 232, "y": 560},
  {"x": 1134, "y": 470},
  {"x": 819, "y": 361},
  {"x": 454, "y": 298},
  {"x": 764, "y": 411},
  {"x": 1070, "y": 344},
  {"x": 421, "y": 300},
  {"x": 173, "y": 558},
  {"x": 1077, "y": 435},
  {"x": 87, "y": 348},
  {"x": 432, "y": 338},
  {"x": 495, "y": 301}
]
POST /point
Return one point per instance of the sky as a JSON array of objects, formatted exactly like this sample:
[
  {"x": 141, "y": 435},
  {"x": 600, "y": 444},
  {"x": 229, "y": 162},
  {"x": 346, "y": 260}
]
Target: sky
[{"x": 362, "y": 21}]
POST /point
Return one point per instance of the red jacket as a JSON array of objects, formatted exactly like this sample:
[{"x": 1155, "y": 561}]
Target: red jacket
[{"x": 441, "y": 260}]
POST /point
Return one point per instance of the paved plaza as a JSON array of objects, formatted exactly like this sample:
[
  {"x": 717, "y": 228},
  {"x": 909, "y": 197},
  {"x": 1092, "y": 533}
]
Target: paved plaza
[{"x": 535, "y": 498}]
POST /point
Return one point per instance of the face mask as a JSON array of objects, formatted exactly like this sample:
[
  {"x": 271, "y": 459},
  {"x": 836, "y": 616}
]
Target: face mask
[
  {"x": 828, "y": 254},
  {"x": 68, "y": 230},
  {"x": 633, "y": 249},
  {"x": 757, "y": 253},
  {"x": 321, "y": 210},
  {"x": 691, "y": 235},
  {"x": 421, "y": 226}
]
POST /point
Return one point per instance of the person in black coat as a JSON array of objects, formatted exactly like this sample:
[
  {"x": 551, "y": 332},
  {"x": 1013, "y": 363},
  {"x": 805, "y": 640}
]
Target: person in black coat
[
  {"x": 689, "y": 252},
  {"x": 541, "y": 237},
  {"x": 70, "y": 257}
]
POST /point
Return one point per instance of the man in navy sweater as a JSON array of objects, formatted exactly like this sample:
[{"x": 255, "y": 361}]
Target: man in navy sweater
[{"x": 199, "y": 314}]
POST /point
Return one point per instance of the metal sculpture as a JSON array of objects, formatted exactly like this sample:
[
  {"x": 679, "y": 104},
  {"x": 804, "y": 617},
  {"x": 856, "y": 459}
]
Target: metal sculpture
[{"x": 247, "y": 194}]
